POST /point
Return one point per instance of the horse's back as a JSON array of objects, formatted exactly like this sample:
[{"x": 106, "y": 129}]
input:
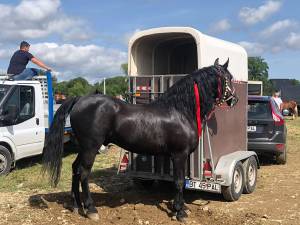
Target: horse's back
[{"x": 93, "y": 115}]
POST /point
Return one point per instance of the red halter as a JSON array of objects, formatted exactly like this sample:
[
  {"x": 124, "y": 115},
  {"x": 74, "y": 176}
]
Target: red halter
[{"x": 198, "y": 110}]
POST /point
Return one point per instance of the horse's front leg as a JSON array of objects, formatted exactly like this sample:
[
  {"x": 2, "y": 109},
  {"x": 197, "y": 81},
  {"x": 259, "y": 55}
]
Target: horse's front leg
[{"x": 179, "y": 162}]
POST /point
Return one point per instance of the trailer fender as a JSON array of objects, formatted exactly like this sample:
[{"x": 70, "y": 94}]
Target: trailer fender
[{"x": 226, "y": 164}]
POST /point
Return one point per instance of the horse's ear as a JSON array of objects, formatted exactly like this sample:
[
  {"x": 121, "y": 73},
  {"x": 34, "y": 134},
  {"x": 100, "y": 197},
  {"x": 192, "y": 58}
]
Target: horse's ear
[
  {"x": 226, "y": 64},
  {"x": 216, "y": 62}
]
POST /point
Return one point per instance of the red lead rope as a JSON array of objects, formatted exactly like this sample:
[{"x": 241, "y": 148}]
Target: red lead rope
[{"x": 198, "y": 112}]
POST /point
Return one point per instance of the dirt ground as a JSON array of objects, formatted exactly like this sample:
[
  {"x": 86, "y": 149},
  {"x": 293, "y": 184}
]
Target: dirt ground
[{"x": 276, "y": 200}]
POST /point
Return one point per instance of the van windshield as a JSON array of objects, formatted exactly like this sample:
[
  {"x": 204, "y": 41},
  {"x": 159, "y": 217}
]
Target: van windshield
[{"x": 3, "y": 90}]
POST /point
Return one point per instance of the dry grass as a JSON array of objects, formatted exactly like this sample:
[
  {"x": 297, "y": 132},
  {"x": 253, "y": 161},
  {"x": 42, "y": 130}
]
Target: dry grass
[{"x": 27, "y": 174}]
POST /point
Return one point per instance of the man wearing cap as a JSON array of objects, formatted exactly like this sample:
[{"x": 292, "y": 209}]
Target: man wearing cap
[
  {"x": 277, "y": 99},
  {"x": 19, "y": 61}
]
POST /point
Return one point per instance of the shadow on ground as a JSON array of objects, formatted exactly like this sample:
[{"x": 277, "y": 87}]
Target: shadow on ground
[{"x": 112, "y": 190}]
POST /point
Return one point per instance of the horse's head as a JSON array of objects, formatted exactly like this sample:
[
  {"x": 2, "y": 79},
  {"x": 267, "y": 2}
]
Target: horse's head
[{"x": 226, "y": 91}]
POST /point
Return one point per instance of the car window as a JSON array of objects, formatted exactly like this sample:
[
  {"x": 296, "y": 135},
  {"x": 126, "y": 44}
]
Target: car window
[{"x": 259, "y": 110}]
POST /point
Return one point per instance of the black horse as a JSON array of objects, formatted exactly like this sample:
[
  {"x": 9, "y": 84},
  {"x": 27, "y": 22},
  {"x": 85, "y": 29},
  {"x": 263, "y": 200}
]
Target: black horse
[{"x": 167, "y": 126}]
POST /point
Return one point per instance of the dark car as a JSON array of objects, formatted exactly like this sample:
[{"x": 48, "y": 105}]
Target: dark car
[{"x": 266, "y": 128}]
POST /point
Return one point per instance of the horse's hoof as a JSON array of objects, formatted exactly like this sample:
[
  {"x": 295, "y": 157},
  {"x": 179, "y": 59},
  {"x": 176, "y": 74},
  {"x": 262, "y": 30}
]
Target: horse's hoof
[
  {"x": 181, "y": 216},
  {"x": 75, "y": 210},
  {"x": 181, "y": 220},
  {"x": 93, "y": 216}
]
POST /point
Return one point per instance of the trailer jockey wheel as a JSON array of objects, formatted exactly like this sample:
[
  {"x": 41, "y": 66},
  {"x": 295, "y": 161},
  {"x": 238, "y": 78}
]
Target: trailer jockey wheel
[
  {"x": 250, "y": 169},
  {"x": 234, "y": 191}
]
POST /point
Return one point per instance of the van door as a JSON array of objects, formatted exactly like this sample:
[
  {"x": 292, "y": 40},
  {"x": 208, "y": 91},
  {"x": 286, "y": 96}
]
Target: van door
[{"x": 25, "y": 132}]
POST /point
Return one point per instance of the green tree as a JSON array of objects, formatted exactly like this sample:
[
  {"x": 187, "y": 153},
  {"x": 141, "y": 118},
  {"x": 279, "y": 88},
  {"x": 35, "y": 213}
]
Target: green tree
[
  {"x": 61, "y": 87},
  {"x": 124, "y": 68},
  {"x": 114, "y": 86},
  {"x": 258, "y": 69},
  {"x": 75, "y": 87},
  {"x": 79, "y": 86},
  {"x": 295, "y": 82}
]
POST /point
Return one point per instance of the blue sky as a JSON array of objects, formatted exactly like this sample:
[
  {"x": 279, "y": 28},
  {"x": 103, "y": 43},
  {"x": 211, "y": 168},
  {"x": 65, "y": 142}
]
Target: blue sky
[{"x": 89, "y": 38}]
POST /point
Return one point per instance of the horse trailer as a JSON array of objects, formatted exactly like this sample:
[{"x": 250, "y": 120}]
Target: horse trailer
[
  {"x": 255, "y": 87},
  {"x": 159, "y": 57}
]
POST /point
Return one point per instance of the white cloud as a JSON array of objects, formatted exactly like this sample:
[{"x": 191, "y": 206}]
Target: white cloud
[
  {"x": 32, "y": 19},
  {"x": 5, "y": 54},
  {"x": 277, "y": 48},
  {"x": 90, "y": 61},
  {"x": 36, "y": 10},
  {"x": 220, "y": 26},
  {"x": 293, "y": 41},
  {"x": 252, "y": 16},
  {"x": 278, "y": 27},
  {"x": 253, "y": 48}
]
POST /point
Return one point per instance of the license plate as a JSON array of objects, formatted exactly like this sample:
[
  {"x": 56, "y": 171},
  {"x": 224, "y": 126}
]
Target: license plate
[
  {"x": 203, "y": 186},
  {"x": 251, "y": 128}
]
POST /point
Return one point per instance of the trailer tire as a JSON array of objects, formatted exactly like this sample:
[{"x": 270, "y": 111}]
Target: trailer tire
[
  {"x": 234, "y": 191},
  {"x": 5, "y": 161},
  {"x": 250, "y": 169}
]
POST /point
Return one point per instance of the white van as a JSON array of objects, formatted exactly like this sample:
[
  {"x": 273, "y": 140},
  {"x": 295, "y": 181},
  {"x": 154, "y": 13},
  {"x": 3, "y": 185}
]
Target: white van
[{"x": 26, "y": 110}]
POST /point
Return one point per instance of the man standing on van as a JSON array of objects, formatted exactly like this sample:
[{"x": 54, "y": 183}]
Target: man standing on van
[{"x": 19, "y": 61}]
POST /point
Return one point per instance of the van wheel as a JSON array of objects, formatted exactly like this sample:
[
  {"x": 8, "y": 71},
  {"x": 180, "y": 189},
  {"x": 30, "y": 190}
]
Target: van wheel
[
  {"x": 250, "y": 175},
  {"x": 234, "y": 191},
  {"x": 5, "y": 161}
]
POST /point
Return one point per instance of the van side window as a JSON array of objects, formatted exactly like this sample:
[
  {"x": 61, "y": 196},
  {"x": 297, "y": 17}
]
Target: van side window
[
  {"x": 23, "y": 98},
  {"x": 26, "y": 103}
]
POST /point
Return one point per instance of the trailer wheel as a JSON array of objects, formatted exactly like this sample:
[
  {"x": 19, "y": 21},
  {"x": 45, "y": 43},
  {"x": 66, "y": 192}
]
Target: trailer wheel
[
  {"x": 234, "y": 191},
  {"x": 5, "y": 161},
  {"x": 250, "y": 175}
]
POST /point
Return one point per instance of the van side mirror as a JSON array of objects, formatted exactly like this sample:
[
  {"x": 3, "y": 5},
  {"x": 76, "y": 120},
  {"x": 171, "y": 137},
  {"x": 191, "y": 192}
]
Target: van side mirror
[{"x": 10, "y": 116}]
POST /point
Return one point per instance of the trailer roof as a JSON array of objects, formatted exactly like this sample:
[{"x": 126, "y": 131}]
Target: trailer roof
[{"x": 208, "y": 49}]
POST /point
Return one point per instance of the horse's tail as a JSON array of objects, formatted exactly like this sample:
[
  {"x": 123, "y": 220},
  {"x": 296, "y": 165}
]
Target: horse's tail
[{"x": 53, "y": 148}]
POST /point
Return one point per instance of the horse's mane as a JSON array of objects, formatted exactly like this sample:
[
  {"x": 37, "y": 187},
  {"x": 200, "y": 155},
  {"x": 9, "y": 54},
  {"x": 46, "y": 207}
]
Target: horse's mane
[{"x": 181, "y": 95}]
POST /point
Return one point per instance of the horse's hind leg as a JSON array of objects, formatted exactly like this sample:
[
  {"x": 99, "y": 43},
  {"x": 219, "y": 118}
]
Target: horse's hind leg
[
  {"x": 75, "y": 185},
  {"x": 86, "y": 164},
  {"x": 179, "y": 162}
]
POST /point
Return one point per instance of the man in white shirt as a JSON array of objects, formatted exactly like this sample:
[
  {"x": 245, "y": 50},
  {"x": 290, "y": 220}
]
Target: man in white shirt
[{"x": 277, "y": 99}]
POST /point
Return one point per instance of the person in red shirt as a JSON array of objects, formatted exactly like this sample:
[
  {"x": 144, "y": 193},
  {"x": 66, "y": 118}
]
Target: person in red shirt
[{"x": 19, "y": 61}]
